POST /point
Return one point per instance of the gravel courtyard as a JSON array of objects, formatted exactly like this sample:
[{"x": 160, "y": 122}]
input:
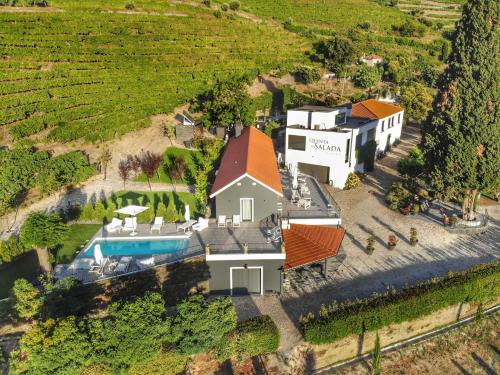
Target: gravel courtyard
[{"x": 364, "y": 213}]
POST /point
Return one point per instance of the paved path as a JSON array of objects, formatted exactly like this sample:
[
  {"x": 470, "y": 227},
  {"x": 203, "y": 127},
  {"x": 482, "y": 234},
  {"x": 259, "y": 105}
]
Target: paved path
[{"x": 365, "y": 213}]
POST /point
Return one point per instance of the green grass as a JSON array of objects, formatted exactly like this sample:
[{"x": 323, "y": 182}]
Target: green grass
[
  {"x": 180, "y": 199},
  {"x": 25, "y": 266},
  {"x": 90, "y": 72},
  {"x": 192, "y": 158},
  {"x": 78, "y": 235}
]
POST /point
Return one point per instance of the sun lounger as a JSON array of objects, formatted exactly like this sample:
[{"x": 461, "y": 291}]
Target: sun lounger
[
  {"x": 221, "y": 221},
  {"x": 187, "y": 225},
  {"x": 157, "y": 224},
  {"x": 99, "y": 260},
  {"x": 202, "y": 224},
  {"x": 114, "y": 226},
  {"x": 123, "y": 265},
  {"x": 145, "y": 263},
  {"x": 236, "y": 221}
]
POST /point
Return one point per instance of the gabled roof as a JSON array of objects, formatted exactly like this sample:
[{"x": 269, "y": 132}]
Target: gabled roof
[
  {"x": 372, "y": 57},
  {"x": 306, "y": 244},
  {"x": 374, "y": 109},
  {"x": 251, "y": 154}
]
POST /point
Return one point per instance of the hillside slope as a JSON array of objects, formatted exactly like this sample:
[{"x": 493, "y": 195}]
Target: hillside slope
[{"x": 95, "y": 71}]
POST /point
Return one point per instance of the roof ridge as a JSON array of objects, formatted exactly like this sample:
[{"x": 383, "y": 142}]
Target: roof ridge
[{"x": 368, "y": 109}]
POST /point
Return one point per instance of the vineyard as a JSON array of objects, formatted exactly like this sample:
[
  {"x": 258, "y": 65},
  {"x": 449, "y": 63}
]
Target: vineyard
[{"x": 96, "y": 72}]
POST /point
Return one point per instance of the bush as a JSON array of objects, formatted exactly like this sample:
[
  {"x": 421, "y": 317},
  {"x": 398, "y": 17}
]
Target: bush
[
  {"x": 167, "y": 362},
  {"x": 251, "y": 337},
  {"x": 224, "y": 7},
  {"x": 478, "y": 284},
  {"x": 410, "y": 29},
  {"x": 307, "y": 74},
  {"x": 367, "y": 76},
  {"x": 207, "y": 3},
  {"x": 129, "y": 5},
  {"x": 353, "y": 181},
  {"x": 234, "y": 5},
  {"x": 398, "y": 196},
  {"x": 217, "y": 13},
  {"x": 28, "y": 300},
  {"x": 11, "y": 248},
  {"x": 413, "y": 164}
]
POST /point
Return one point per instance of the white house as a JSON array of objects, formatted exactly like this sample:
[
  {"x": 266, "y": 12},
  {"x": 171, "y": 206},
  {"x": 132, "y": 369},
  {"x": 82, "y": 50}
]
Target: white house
[
  {"x": 371, "y": 60},
  {"x": 322, "y": 141}
]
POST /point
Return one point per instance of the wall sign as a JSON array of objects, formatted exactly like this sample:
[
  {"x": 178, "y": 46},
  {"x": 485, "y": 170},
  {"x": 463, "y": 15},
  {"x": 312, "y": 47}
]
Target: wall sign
[{"x": 323, "y": 145}]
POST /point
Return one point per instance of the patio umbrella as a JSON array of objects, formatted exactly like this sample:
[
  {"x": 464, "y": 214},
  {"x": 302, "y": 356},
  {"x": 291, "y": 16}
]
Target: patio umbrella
[
  {"x": 99, "y": 258},
  {"x": 295, "y": 181},
  {"x": 133, "y": 211},
  {"x": 187, "y": 214}
]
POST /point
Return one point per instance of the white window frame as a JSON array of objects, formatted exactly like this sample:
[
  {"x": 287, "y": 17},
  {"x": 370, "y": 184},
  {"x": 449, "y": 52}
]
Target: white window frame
[
  {"x": 248, "y": 268},
  {"x": 253, "y": 208}
]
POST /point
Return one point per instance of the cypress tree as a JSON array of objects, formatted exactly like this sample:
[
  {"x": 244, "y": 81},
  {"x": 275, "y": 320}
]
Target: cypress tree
[{"x": 461, "y": 136}]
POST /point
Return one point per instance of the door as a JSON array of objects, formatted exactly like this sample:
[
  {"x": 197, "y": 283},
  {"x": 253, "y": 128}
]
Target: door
[
  {"x": 246, "y": 280},
  {"x": 246, "y": 209},
  {"x": 320, "y": 172},
  {"x": 388, "y": 144}
]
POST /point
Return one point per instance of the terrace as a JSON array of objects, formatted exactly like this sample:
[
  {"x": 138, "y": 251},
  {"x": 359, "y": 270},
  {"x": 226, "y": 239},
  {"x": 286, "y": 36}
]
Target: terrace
[
  {"x": 322, "y": 208},
  {"x": 250, "y": 237}
]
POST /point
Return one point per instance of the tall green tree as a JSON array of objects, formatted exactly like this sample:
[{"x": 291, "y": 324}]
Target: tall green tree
[
  {"x": 338, "y": 53},
  {"x": 227, "y": 103},
  {"x": 41, "y": 231},
  {"x": 416, "y": 100},
  {"x": 461, "y": 137},
  {"x": 28, "y": 299}
]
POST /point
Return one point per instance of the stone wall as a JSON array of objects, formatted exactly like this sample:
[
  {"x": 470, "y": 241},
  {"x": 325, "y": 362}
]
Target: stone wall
[{"x": 353, "y": 346}]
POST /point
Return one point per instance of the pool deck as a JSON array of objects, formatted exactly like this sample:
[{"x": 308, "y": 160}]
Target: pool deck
[{"x": 227, "y": 240}]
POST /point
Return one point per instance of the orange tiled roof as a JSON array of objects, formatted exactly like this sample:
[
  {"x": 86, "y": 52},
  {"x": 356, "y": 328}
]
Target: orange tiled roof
[
  {"x": 251, "y": 153},
  {"x": 305, "y": 244},
  {"x": 372, "y": 57},
  {"x": 374, "y": 109}
]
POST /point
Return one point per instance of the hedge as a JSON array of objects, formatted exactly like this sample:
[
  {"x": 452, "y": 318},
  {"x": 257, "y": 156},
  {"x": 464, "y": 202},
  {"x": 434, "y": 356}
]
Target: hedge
[
  {"x": 251, "y": 337},
  {"x": 479, "y": 284}
]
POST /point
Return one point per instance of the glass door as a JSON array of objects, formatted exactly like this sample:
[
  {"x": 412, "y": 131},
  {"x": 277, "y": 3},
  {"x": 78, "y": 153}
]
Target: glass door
[{"x": 246, "y": 209}]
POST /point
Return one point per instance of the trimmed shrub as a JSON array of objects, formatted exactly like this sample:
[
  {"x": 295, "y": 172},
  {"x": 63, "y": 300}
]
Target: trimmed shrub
[
  {"x": 353, "y": 181},
  {"x": 234, "y": 5},
  {"x": 479, "y": 284},
  {"x": 307, "y": 74},
  {"x": 224, "y": 7}
]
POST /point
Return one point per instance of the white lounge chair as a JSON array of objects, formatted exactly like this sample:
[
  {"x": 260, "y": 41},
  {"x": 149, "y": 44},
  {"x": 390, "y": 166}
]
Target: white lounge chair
[
  {"x": 145, "y": 263},
  {"x": 157, "y": 224},
  {"x": 99, "y": 260},
  {"x": 201, "y": 224},
  {"x": 187, "y": 225},
  {"x": 130, "y": 224},
  {"x": 123, "y": 265},
  {"x": 114, "y": 226},
  {"x": 221, "y": 221},
  {"x": 236, "y": 221}
]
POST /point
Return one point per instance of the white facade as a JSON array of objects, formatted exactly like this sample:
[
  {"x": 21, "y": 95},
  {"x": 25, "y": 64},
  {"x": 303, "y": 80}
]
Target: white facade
[{"x": 319, "y": 143}]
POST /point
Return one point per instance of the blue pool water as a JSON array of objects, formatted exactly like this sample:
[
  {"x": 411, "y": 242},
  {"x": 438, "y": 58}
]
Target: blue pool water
[{"x": 138, "y": 247}]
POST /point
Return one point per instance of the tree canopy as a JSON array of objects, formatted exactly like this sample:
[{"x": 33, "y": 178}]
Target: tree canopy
[
  {"x": 41, "y": 230},
  {"x": 227, "y": 103},
  {"x": 338, "y": 53},
  {"x": 461, "y": 137},
  {"x": 416, "y": 100}
]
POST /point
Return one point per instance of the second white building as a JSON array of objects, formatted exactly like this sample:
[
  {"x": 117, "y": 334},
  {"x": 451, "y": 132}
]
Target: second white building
[{"x": 322, "y": 141}]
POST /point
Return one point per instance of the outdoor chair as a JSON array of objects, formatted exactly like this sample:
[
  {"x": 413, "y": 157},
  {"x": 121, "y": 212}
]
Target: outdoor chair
[
  {"x": 274, "y": 235},
  {"x": 145, "y": 263},
  {"x": 99, "y": 260},
  {"x": 130, "y": 224},
  {"x": 221, "y": 221},
  {"x": 114, "y": 226},
  {"x": 123, "y": 265},
  {"x": 201, "y": 224},
  {"x": 186, "y": 225},
  {"x": 157, "y": 224},
  {"x": 236, "y": 221}
]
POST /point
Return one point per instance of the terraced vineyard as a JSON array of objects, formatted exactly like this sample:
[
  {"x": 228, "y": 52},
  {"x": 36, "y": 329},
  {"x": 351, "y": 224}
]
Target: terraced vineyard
[
  {"x": 443, "y": 11},
  {"x": 85, "y": 70}
]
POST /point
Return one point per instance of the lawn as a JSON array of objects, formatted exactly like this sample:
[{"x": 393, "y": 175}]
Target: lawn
[
  {"x": 25, "y": 266},
  {"x": 180, "y": 199},
  {"x": 78, "y": 236},
  {"x": 192, "y": 159}
]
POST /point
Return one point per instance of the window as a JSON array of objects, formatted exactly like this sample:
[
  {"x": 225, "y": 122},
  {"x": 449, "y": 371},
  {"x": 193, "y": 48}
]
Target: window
[
  {"x": 371, "y": 134},
  {"x": 399, "y": 118},
  {"x": 340, "y": 118},
  {"x": 359, "y": 140},
  {"x": 383, "y": 123},
  {"x": 296, "y": 142},
  {"x": 347, "y": 150}
]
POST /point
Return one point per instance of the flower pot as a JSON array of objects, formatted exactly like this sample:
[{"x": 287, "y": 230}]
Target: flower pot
[
  {"x": 391, "y": 246},
  {"x": 369, "y": 251},
  {"x": 414, "y": 243}
]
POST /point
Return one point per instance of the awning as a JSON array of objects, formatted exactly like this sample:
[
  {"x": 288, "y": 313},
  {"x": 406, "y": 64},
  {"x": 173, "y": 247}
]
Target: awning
[{"x": 131, "y": 210}]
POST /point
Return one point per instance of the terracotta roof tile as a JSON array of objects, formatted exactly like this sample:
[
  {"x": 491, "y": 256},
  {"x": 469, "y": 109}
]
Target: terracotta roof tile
[
  {"x": 251, "y": 153},
  {"x": 305, "y": 244},
  {"x": 374, "y": 109}
]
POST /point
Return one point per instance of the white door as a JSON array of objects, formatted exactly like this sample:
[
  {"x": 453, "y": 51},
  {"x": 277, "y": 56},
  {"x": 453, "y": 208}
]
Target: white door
[{"x": 246, "y": 209}]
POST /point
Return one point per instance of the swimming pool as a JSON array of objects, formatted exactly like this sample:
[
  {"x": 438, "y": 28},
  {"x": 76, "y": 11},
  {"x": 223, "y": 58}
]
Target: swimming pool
[{"x": 138, "y": 247}]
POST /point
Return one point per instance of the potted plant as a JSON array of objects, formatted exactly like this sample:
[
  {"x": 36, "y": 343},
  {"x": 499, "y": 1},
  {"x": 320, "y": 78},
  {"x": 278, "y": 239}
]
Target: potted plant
[
  {"x": 413, "y": 236},
  {"x": 453, "y": 220},
  {"x": 370, "y": 246},
  {"x": 415, "y": 209},
  {"x": 392, "y": 242}
]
